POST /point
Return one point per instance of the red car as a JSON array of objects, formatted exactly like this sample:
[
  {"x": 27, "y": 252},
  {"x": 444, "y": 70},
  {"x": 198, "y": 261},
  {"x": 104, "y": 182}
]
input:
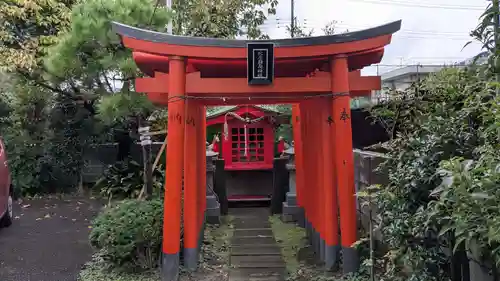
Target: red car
[{"x": 6, "y": 190}]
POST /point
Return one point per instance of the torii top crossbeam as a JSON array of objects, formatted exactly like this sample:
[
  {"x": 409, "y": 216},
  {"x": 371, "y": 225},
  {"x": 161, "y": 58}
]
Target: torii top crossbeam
[{"x": 210, "y": 59}]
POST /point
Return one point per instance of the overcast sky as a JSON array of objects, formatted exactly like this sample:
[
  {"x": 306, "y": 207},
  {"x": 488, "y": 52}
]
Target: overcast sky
[{"x": 433, "y": 31}]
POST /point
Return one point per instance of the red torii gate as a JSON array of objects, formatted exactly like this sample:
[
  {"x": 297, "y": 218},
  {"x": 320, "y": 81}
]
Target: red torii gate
[{"x": 318, "y": 75}]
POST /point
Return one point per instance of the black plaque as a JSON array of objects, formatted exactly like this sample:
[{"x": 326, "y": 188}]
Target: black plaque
[{"x": 260, "y": 63}]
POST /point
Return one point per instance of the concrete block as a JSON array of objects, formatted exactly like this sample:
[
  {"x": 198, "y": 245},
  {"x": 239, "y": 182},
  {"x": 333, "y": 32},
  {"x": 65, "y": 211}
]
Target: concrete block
[
  {"x": 291, "y": 198},
  {"x": 213, "y": 215},
  {"x": 291, "y": 210},
  {"x": 301, "y": 219},
  {"x": 212, "y": 202},
  {"x": 287, "y": 218},
  {"x": 350, "y": 260}
]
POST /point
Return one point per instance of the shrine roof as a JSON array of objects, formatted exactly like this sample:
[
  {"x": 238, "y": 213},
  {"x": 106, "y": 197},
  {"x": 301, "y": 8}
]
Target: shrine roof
[
  {"x": 159, "y": 37},
  {"x": 225, "y": 109}
]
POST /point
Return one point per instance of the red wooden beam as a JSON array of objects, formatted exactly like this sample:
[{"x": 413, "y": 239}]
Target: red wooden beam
[
  {"x": 159, "y": 99},
  {"x": 238, "y": 87}
]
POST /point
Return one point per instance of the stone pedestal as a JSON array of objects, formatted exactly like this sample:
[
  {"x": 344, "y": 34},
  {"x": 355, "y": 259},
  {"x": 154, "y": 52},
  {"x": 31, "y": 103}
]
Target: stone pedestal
[
  {"x": 291, "y": 212},
  {"x": 212, "y": 212}
]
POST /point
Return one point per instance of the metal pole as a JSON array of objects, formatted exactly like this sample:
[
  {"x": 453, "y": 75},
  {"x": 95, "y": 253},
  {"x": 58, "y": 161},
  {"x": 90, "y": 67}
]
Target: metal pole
[
  {"x": 292, "y": 25},
  {"x": 372, "y": 246},
  {"x": 146, "y": 154},
  {"x": 496, "y": 22},
  {"x": 169, "y": 26}
]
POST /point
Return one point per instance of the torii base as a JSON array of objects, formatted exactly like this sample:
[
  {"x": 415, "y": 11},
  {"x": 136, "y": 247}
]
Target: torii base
[{"x": 170, "y": 267}]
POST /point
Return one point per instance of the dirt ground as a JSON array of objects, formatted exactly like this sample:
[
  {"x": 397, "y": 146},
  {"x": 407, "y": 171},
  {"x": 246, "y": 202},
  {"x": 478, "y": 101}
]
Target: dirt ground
[{"x": 48, "y": 240}]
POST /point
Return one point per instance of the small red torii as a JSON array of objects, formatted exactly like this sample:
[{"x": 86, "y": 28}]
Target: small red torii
[{"x": 189, "y": 73}]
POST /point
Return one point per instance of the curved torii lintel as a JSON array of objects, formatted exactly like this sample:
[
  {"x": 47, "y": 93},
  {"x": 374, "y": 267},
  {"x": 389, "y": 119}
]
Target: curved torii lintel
[{"x": 201, "y": 47}]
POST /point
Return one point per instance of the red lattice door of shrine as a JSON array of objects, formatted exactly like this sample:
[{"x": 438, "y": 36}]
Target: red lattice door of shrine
[{"x": 251, "y": 146}]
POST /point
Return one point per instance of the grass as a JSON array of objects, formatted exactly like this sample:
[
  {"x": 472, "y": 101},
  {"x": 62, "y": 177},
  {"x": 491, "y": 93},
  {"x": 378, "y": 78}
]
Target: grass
[
  {"x": 217, "y": 244},
  {"x": 291, "y": 239},
  {"x": 213, "y": 264}
]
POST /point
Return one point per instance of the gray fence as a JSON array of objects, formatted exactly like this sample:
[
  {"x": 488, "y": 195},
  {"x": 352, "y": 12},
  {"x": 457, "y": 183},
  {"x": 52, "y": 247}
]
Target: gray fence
[{"x": 99, "y": 157}]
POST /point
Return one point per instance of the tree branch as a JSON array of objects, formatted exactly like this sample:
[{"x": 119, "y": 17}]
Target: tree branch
[{"x": 40, "y": 83}]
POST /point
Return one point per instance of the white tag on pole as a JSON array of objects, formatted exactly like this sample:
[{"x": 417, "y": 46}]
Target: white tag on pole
[{"x": 142, "y": 130}]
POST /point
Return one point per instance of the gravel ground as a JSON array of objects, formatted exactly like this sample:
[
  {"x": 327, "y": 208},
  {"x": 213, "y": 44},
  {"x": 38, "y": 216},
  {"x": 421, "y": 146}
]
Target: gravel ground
[{"x": 48, "y": 240}]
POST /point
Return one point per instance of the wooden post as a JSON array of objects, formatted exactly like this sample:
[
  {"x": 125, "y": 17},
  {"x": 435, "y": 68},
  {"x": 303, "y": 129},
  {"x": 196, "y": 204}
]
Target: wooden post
[
  {"x": 344, "y": 163},
  {"x": 146, "y": 158},
  {"x": 191, "y": 231},
  {"x": 174, "y": 170},
  {"x": 280, "y": 185}
]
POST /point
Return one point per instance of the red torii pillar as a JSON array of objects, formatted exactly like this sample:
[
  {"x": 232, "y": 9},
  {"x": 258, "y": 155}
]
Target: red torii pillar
[
  {"x": 343, "y": 161},
  {"x": 174, "y": 169},
  {"x": 191, "y": 185}
]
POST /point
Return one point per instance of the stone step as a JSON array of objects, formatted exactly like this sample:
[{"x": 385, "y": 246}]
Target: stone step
[
  {"x": 254, "y": 253},
  {"x": 252, "y": 240},
  {"x": 256, "y": 274},
  {"x": 253, "y": 232},
  {"x": 254, "y": 259},
  {"x": 264, "y": 278},
  {"x": 249, "y": 250},
  {"x": 250, "y": 225},
  {"x": 279, "y": 265},
  {"x": 257, "y": 262}
]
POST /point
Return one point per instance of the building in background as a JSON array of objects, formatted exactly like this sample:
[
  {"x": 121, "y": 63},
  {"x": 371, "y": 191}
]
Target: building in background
[{"x": 401, "y": 78}]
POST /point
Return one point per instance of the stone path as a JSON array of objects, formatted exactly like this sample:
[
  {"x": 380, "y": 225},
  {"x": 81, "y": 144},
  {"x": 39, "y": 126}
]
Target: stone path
[{"x": 255, "y": 255}]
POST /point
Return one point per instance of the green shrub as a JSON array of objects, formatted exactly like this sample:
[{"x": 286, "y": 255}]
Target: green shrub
[
  {"x": 125, "y": 180},
  {"x": 446, "y": 118},
  {"x": 129, "y": 235}
]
